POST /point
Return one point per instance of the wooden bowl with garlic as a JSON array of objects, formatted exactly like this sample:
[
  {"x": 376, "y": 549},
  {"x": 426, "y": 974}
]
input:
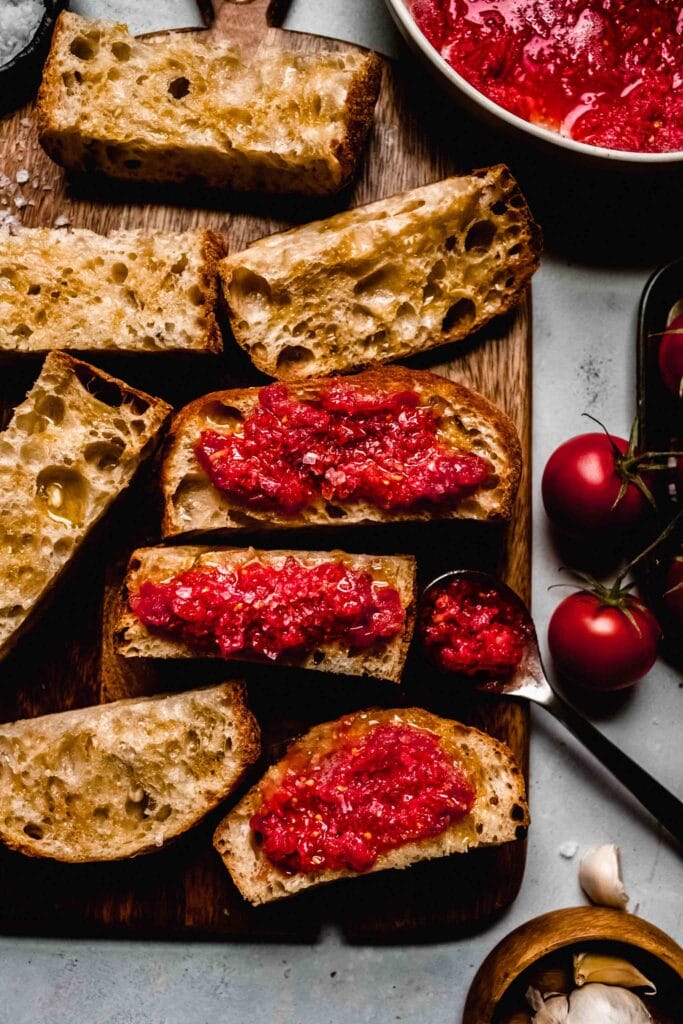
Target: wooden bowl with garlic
[{"x": 582, "y": 965}]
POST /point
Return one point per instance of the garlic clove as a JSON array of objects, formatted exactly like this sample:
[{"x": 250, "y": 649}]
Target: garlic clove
[
  {"x": 605, "y": 1004},
  {"x": 551, "y": 1010},
  {"x": 610, "y": 970},
  {"x": 534, "y": 998},
  {"x": 600, "y": 876}
]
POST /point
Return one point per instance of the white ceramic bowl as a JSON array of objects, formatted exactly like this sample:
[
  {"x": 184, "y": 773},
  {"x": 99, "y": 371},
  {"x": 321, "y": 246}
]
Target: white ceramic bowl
[{"x": 468, "y": 96}]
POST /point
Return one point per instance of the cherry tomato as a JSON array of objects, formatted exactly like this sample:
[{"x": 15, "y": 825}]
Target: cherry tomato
[
  {"x": 673, "y": 591},
  {"x": 597, "y": 646},
  {"x": 670, "y": 356},
  {"x": 581, "y": 484}
]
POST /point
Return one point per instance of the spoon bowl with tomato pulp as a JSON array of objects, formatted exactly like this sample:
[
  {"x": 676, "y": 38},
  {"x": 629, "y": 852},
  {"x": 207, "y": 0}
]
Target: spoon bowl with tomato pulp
[{"x": 473, "y": 626}]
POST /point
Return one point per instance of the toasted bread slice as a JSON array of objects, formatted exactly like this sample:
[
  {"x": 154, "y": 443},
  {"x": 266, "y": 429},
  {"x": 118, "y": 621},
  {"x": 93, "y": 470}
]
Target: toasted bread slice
[
  {"x": 469, "y": 422},
  {"x": 385, "y": 661},
  {"x": 121, "y": 779},
  {"x": 384, "y": 281},
  {"x": 182, "y": 107},
  {"x": 127, "y": 292},
  {"x": 70, "y": 449},
  {"x": 499, "y": 815}
]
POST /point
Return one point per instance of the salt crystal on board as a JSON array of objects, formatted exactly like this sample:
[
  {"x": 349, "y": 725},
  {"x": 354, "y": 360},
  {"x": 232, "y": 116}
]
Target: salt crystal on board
[{"x": 568, "y": 850}]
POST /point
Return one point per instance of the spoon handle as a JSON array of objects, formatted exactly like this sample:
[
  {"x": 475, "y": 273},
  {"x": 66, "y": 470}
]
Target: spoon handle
[{"x": 658, "y": 800}]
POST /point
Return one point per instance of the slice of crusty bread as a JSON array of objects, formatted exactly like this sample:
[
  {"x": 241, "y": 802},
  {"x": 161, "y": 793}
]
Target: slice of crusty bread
[
  {"x": 383, "y": 281},
  {"x": 70, "y": 449},
  {"x": 469, "y": 423},
  {"x": 499, "y": 815},
  {"x": 182, "y": 107},
  {"x": 127, "y": 292},
  {"x": 386, "y": 661},
  {"x": 114, "y": 781}
]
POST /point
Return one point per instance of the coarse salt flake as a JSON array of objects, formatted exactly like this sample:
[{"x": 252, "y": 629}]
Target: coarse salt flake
[{"x": 568, "y": 849}]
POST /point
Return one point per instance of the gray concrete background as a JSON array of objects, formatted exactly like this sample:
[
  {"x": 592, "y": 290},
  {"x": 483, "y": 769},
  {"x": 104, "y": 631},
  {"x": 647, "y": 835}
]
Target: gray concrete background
[{"x": 584, "y": 322}]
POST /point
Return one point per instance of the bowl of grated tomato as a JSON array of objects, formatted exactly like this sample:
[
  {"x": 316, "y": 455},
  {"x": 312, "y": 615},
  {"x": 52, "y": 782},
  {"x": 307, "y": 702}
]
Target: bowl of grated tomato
[{"x": 600, "y": 78}]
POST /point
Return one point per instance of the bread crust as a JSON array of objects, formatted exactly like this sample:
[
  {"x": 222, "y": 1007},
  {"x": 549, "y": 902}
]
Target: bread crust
[
  {"x": 107, "y": 725},
  {"x": 500, "y": 500},
  {"x": 214, "y": 248},
  {"x": 360, "y": 106},
  {"x": 133, "y": 639},
  {"x": 500, "y": 813},
  {"x": 47, "y": 97}
]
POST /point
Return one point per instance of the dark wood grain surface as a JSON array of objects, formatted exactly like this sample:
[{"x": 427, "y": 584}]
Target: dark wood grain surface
[{"x": 67, "y": 659}]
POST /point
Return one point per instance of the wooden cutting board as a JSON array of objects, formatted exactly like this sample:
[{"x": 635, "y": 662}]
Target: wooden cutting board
[{"x": 66, "y": 660}]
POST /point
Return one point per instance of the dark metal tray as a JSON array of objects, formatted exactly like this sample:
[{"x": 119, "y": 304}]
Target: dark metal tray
[{"x": 660, "y": 415}]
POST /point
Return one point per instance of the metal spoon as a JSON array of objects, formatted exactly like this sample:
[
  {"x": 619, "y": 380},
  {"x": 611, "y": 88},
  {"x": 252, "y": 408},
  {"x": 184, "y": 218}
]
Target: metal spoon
[{"x": 529, "y": 682}]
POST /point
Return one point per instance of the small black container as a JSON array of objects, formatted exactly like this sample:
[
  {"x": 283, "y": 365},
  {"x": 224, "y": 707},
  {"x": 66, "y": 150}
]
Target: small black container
[{"x": 19, "y": 78}]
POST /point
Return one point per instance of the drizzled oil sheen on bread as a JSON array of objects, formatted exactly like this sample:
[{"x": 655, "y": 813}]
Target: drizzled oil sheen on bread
[
  {"x": 133, "y": 639},
  {"x": 499, "y": 815},
  {"x": 470, "y": 423},
  {"x": 127, "y": 292},
  {"x": 384, "y": 281},
  {"x": 70, "y": 449},
  {"x": 182, "y": 107},
  {"x": 121, "y": 779}
]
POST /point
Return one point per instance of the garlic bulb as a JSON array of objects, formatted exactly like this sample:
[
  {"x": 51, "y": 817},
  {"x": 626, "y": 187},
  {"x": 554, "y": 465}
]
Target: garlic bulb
[
  {"x": 610, "y": 970},
  {"x": 600, "y": 876},
  {"x": 592, "y": 1004}
]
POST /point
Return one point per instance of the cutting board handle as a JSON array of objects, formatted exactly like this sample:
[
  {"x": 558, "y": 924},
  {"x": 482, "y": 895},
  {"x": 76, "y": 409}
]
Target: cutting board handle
[{"x": 248, "y": 22}]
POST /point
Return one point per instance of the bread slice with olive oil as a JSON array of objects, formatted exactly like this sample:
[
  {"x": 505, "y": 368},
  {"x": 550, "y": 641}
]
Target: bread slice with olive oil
[
  {"x": 468, "y": 422},
  {"x": 134, "y": 639},
  {"x": 188, "y": 107},
  {"x": 114, "y": 781},
  {"x": 499, "y": 815},
  {"x": 129, "y": 291},
  {"x": 385, "y": 281},
  {"x": 69, "y": 450}
]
